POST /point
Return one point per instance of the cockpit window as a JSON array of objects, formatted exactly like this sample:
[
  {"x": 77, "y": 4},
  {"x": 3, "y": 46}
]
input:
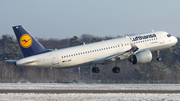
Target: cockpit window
[{"x": 168, "y": 35}]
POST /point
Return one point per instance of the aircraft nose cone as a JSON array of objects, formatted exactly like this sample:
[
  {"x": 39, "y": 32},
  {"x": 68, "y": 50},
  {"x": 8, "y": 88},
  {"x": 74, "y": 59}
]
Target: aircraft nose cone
[{"x": 175, "y": 40}]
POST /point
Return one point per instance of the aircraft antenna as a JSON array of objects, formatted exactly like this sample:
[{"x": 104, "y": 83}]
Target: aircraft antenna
[
  {"x": 84, "y": 43},
  {"x": 152, "y": 30}
]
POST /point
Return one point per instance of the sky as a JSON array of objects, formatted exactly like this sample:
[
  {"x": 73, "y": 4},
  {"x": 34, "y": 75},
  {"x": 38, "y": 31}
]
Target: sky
[{"x": 67, "y": 18}]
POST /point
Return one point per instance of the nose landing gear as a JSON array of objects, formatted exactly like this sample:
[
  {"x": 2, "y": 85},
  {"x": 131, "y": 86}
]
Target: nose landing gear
[{"x": 158, "y": 57}]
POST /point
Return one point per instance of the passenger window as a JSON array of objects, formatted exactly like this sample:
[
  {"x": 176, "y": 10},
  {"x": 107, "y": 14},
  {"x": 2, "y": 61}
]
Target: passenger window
[
  {"x": 67, "y": 56},
  {"x": 62, "y": 56}
]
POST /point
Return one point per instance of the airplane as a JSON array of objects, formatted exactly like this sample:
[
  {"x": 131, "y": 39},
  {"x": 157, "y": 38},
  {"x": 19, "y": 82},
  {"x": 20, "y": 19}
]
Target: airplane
[{"x": 135, "y": 48}]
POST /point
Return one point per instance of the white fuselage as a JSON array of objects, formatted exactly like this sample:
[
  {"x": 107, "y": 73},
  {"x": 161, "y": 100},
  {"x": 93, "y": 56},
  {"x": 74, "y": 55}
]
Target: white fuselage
[{"x": 89, "y": 53}]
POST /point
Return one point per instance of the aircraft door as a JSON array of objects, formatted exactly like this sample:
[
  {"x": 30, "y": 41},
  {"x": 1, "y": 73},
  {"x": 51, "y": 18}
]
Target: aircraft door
[
  {"x": 121, "y": 47},
  {"x": 55, "y": 60},
  {"x": 161, "y": 38}
]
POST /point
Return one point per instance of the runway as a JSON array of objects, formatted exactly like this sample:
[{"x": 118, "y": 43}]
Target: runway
[
  {"x": 86, "y": 92},
  {"x": 89, "y": 91}
]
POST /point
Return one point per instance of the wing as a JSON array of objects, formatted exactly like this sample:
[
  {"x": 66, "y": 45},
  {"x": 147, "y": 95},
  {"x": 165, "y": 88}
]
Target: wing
[
  {"x": 127, "y": 53},
  {"x": 123, "y": 55}
]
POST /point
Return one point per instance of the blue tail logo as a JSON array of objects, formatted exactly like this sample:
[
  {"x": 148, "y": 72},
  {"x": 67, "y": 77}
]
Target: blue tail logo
[
  {"x": 25, "y": 41},
  {"x": 28, "y": 44}
]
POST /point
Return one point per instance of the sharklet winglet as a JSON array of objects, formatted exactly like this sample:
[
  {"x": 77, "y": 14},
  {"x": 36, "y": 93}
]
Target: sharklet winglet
[{"x": 134, "y": 47}]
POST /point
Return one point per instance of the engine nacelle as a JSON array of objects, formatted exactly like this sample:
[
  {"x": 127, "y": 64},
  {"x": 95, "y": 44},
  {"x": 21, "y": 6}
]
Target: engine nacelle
[{"x": 142, "y": 56}]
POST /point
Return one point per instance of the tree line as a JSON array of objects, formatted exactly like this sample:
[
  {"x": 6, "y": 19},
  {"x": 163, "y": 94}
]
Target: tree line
[{"x": 166, "y": 71}]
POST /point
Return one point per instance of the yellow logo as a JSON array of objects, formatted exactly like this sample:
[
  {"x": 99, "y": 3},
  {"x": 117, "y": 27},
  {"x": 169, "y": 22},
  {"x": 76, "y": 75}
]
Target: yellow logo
[{"x": 25, "y": 41}]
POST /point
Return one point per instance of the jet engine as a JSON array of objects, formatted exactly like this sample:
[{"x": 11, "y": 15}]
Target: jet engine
[{"x": 142, "y": 56}]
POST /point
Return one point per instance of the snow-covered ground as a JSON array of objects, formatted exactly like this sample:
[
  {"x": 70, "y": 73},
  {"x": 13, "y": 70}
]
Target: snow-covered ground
[
  {"x": 89, "y": 96},
  {"x": 61, "y": 86}
]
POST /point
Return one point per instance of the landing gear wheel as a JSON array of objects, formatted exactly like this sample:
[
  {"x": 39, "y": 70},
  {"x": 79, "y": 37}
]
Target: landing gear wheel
[
  {"x": 95, "y": 70},
  {"x": 116, "y": 70},
  {"x": 159, "y": 59}
]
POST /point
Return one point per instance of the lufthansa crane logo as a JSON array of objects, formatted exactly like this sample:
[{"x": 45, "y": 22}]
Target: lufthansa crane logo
[{"x": 25, "y": 41}]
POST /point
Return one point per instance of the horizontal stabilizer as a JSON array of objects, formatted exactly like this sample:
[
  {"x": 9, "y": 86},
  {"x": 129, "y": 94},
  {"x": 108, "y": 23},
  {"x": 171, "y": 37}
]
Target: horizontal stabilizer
[
  {"x": 10, "y": 60},
  {"x": 32, "y": 61}
]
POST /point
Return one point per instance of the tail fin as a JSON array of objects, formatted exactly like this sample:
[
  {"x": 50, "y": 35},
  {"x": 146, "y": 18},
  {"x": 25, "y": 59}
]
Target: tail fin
[{"x": 29, "y": 45}]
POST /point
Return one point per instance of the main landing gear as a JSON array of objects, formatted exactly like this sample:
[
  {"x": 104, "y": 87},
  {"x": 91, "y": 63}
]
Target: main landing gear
[
  {"x": 116, "y": 69},
  {"x": 95, "y": 69},
  {"x": 158, "y": 57}
]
